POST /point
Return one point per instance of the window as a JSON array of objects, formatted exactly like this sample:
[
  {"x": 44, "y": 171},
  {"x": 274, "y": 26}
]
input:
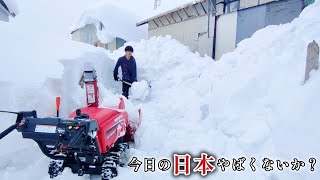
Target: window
[
  {"x": 119, "y": 42},
  {"x": 308, "y": 2}
]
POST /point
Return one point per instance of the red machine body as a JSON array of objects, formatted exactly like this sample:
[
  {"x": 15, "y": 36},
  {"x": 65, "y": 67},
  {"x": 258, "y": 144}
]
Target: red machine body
[
  {"x": 113, "y": 122},
  {"x": 92, "y": 94},
  {"x": 113, "y": 125}
]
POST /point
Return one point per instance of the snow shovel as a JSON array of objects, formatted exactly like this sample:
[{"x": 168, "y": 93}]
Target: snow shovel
[
  {"x": 125, "y": 82},
  {"x": 130, "y": 83}
]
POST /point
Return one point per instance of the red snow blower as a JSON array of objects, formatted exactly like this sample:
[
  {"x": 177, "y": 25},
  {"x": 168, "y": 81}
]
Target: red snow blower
[{"x": 92, "y": 140}]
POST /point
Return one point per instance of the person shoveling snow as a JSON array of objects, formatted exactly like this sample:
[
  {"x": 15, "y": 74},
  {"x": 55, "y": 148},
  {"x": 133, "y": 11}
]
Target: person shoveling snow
[
  {"x": 129, "y": 76},
  {"x": 129, "y": 70}
]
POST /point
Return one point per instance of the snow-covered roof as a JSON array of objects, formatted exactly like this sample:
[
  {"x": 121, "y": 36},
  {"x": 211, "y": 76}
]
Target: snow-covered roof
[
  {"x": 10, "y": 7},
  {"x": 117, "y": 22},
  {"x": 165, "y": 11}
]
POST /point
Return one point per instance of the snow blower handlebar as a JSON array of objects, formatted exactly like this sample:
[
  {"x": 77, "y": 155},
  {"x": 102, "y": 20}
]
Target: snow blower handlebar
[
  {"x": 20, "y": 116},
  {"x": 9, "y": 130},
  {"x": 58, "y": 100}
]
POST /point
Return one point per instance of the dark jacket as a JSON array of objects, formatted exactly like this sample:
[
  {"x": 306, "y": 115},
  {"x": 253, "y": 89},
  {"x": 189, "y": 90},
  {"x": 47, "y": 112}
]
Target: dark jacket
[{"x": 129, "y": 69}]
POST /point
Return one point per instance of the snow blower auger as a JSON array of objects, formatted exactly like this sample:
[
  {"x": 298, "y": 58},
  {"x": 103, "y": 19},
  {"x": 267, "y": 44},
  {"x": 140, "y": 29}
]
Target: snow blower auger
[{"x": 91, "y": 140}]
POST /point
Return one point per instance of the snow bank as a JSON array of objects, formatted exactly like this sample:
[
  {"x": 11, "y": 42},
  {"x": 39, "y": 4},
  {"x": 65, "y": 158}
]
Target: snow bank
[
  {"x": 30, "y": 79},
  {"x": 251, "y": 103},
  {"x": 27, "y": 56},
  {"x": 30, "y": 75},
  {"x": 117, "y": 22},
  {"x": 73, "y": 97}
]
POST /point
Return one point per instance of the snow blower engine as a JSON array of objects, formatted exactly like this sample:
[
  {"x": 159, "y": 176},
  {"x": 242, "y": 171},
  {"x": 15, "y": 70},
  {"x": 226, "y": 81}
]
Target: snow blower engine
[{"x": 92, "y": 140}]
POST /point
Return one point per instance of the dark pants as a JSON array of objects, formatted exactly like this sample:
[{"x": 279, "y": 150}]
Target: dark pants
[{"x": 125, "y": 89}]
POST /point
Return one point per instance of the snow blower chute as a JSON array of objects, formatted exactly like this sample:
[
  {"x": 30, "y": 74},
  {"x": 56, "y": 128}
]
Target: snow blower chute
[{"x": 91, "y": 140}]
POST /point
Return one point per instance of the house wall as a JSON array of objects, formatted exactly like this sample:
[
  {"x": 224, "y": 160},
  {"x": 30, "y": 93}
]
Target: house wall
[
  {"x": 242, "y": 19},
  {"x": 76, "y": 35},
  {"x": 116, "y": 43},
  {"x": 232, "y": 6},
  {"x": 247, "y": 24},
  {"x": 192, "y": 33},
  {"x": 283, "y": 11},
  {"x": 232, "y": 27},
  {"x": 120, "y": 42},
  {"x": 112, "y": 45},
  {"x": 87, "y": 34},
  {"x": 308, "y": 2},
  {"x": 252, "y": 3},
  {"x": 226, "y": 34},
  {"x": 3, "y": 15},
  {"x": 275, "y": 13}
]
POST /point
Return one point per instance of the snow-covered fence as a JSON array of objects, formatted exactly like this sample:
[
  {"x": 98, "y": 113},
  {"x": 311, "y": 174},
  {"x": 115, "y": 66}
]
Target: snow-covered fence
[{"x": 312, "y": 59}]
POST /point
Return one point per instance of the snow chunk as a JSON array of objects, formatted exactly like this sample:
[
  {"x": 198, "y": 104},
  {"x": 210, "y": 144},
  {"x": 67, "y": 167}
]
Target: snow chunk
[
  {"x": 140, "y": 90},
  {"x": 107, "y": 98}
]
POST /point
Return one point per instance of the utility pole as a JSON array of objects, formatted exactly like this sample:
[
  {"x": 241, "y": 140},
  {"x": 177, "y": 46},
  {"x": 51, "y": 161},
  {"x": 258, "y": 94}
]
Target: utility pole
[{"x": 157, "y": 3}]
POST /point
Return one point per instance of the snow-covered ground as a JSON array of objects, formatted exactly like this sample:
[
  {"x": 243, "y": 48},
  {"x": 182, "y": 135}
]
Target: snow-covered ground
[{"x": 251, "y": 103}]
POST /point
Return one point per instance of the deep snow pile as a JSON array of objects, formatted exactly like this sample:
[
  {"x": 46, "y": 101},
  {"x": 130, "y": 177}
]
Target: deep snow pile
[
  {"x": 30, "y": 79},
  {"x": 251, "y": 103},
  {"x": 34, "y": 59},
  {"x": 72, "y": 94}
]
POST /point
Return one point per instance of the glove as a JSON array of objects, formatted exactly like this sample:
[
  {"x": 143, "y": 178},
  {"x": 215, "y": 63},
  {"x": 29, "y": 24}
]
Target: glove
[{"x": 116, "y": 78}]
